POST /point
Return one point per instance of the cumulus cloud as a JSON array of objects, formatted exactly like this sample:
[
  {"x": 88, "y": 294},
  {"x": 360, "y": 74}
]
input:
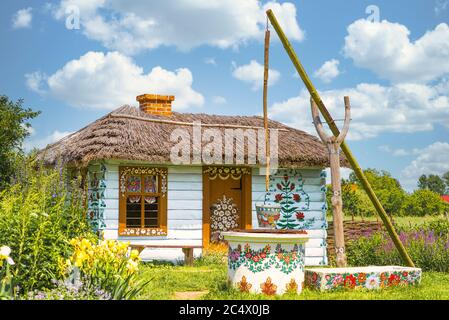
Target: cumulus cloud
[
  {"x": 219, "y": 100},
  {"x": 106, "y": 81},
  {"x": 386, "y": 49},
  {"x": 137, "y": 25},
  {"x": 328, "y": 71},
  {"x": 252, "y": 73},
  {"x": 375, "y": 109},
  {"x": 22, "y": 18},
  {"x": 39, "y": 143},
  {"x": 431, "y": 160}
]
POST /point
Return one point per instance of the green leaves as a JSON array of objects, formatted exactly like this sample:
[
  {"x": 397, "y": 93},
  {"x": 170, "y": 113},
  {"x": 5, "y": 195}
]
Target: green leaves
[{"x": 14, "y": 128}]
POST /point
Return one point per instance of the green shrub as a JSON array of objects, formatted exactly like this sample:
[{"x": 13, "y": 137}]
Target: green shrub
[
  {"x": 424, "y": 202},
  {"x": 39, "y": 215}
]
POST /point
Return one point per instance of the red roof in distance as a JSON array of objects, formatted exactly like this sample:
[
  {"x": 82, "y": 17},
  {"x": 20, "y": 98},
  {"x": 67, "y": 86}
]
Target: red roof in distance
[{"x": 445, "y": 197}]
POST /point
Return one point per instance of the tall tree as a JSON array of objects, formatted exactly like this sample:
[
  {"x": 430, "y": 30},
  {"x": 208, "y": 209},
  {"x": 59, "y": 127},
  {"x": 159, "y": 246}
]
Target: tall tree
[
  {"x": 14, "y": 128},
  {"x": 433, "y": 183},
  {"x": 446, "y": 181}
]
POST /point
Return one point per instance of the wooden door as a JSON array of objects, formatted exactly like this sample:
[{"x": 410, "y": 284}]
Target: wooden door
[{"x": 226, "y": 204}]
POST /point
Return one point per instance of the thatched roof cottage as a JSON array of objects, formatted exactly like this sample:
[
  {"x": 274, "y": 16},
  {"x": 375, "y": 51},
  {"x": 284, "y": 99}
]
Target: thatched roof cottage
[{"x": 169, "y": 179}]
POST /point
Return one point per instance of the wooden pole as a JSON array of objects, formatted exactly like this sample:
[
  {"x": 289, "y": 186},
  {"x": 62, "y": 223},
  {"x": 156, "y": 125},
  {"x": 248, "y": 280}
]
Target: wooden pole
[
  {"x": 355, "y": 166},
  {"x": 265, "y": 107},
  {"x": 333, "y": 145}
]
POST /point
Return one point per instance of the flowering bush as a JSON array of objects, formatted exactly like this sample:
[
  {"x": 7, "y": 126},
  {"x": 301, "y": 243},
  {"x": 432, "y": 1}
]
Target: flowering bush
[
  {"x": 106, "y": 265},
  {"x": 428, "y": 247}
]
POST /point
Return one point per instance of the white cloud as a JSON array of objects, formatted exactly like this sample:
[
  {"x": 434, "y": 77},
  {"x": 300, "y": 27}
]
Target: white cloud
[
  {"x": 430, "y": 160},
  {"x": 22, "y": 18},
  {"x": 375, "y": 109},
  {"x": 35, "y": 80},
  {"x": 253, "y": 73},
  {"x": 106, "y": 81},
  {"x": 385, "y": 48},
  {"x": 136, "y": 25},
  {"x": 210, "y": 61},
  {"x": 31, "y": 143},
  {"x": 219, "y": 100},
  {"x": 328, "y": 71},
  {"x": 400, "y": 152},
  {"x": 344, "y": 174},
  {"x": 441, "y": 6}
]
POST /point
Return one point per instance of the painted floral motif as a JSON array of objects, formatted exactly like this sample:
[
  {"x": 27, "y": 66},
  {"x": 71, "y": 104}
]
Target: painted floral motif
[
  {"x": 96, "y": 202},
  {"x": 224, "y": 217},
  {"x": 150, "y": 184},
  {"x": 258, "y": 260},
  {"x": 371, "y": 280},
  {"x": 243, "y": 285},
  {"x": 143, "y": 232},
  {"x": 292, "y": 286},
  {"x": 133, "y": 184},
  {"x": 288, "y": 192},
  {"x": 268, "y": 287}
]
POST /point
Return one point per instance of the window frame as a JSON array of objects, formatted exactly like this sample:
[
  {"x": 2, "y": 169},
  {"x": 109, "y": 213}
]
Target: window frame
[{"x": 161, "y": 173}]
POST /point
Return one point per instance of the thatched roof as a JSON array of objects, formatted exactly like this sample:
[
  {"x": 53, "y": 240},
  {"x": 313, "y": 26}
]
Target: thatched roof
[{"x": 130, "y": 134}]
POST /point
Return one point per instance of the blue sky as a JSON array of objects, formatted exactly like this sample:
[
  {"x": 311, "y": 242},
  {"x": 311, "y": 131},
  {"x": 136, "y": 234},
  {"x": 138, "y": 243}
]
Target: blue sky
[{"x": 209, "y": 54}]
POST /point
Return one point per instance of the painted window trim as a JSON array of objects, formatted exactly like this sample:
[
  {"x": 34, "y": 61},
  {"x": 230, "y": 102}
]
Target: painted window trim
[{"x": 161, "y": 230}]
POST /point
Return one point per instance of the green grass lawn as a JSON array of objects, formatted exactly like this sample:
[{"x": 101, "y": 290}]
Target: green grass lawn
[
  {"x": 400, "y": 221},
  {"x": 211, "y": 277}
]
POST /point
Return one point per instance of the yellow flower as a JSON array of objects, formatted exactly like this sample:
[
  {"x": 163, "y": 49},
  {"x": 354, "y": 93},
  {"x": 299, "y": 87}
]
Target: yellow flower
[
  {"x": 134, "y": 254},
  {"x": 132, "y": 266}
]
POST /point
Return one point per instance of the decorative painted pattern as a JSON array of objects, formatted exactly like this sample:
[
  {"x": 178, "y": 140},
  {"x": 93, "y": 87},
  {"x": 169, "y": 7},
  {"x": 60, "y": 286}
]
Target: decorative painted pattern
[
  {"x": 96, "y": 199},
  {"x": 224, "y": 217},
  {"x": 225, "y": 173},
  {"x": 258, "y": 260},
  {"x": 128, "y": 172},
  {"x": 366, "y": 280},
  {"x": 287, "y": 189},
  {"x": 268, "y": 287},
  {"x": 138, "y": 232}
]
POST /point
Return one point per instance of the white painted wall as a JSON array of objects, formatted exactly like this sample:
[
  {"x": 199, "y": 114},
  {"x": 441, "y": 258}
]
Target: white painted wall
[{"x": 184, "y": 216}]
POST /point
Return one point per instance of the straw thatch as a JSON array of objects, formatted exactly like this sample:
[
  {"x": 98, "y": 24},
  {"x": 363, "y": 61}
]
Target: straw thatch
[{"x": 130, "y": 134}]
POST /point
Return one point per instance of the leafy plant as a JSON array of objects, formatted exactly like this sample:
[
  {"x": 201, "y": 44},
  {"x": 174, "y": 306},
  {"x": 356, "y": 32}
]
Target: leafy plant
[{"x": 38, "y": 216}]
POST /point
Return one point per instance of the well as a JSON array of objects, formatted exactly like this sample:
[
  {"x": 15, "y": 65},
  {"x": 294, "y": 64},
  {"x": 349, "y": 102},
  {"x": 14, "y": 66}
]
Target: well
[{"x": 266, "y": 261}]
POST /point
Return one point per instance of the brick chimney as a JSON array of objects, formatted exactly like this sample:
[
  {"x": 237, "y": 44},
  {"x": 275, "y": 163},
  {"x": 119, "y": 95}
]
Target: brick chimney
[{"x": 155, "y": 104}]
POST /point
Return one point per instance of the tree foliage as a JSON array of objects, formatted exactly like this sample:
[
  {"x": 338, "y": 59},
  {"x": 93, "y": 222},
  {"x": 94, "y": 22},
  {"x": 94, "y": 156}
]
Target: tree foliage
[
  {"x": 433, "y": 183},
  {"x": 14, "y": 128}
]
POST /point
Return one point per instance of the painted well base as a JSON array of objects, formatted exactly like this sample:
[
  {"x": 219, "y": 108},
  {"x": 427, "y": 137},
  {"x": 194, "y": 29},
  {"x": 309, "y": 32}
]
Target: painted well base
[
  {"x": 372, "y": 277},
  {"x": 272, "y": 264}
]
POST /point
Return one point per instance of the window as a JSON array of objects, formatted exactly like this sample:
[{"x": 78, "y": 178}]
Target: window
[{"x": 143, "y": 201}]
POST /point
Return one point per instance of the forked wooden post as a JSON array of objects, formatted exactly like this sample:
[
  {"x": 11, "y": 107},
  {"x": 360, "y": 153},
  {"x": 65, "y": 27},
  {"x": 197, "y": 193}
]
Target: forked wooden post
[{"x": 333, "y": 145}]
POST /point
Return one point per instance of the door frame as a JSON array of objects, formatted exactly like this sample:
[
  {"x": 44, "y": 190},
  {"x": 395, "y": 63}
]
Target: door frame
[{"x": 246, "y": 217}]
